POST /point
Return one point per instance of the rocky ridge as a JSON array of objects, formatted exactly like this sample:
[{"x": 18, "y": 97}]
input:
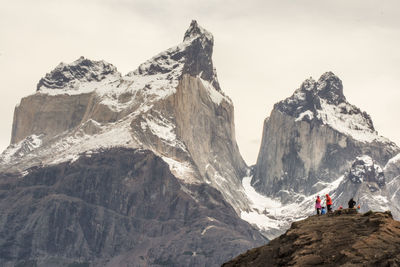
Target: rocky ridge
[
  {"x": 65, "y": 76},
  {"x": 345, "y": 238}
]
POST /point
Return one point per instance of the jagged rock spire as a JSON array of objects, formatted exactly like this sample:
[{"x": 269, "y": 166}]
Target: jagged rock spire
[
  {"x": 195, "y": 30},
  {"x": 199, "y": 54},
  {"x": 330, "y": 87},
  {"x": 193, "y": 57},
  {"x": 311, "y": 95},
  {"x": 82, "y": 69}
]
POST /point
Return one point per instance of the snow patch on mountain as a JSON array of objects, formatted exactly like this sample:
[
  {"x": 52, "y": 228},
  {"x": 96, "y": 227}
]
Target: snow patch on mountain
[
  {"x": 21, "y": 148},
  {"x": 181, "y": 170},
  {"x": 207, "y": 228},
  {"x": 77, "y": 87},
  {"x": 394, "y": 160},
  {"x": 376, "y": 202},
  {"x": 272, "y": 217},
  {"x": 216, "y": 96},
  {"x": 162, "y": 129},
  {"x": 341, "y": 118},
  {"x": 364, "y": 169},
  {"x": 70, "y": 147},
  {"x": 306, "y": 114}
]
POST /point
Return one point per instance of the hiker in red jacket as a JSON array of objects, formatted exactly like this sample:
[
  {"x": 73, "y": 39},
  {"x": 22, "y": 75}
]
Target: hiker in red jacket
[{"x": 329, "y": 202}]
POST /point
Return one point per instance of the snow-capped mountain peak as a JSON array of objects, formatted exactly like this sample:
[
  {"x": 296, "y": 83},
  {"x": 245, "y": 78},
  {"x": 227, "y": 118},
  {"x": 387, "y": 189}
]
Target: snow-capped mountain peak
[
  {"x": 193, "y": 56},
  {"x": 66, "y": 76},
  {"x": 195, "y": 30},
  {"x": 330, "y": 88},
  {"x": 323, "y": 101}
]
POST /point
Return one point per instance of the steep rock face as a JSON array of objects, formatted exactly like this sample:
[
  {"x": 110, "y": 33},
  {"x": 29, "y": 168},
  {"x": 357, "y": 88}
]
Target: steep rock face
[
  {"x": 62, "y": 99},
  {"x": 114, "y": 208},
  {"x": 312, "y": 137},
  {"x": 214, "y": 129},
  {"x": 295, "y": 156},
  {"x": 172, "y": 104},
  {"x": 59, "y": 114},
  {"x": 343, "y": 239}
]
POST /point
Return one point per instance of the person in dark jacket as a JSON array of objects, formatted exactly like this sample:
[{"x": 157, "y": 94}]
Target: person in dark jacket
[{"x": 352, "y": 203}]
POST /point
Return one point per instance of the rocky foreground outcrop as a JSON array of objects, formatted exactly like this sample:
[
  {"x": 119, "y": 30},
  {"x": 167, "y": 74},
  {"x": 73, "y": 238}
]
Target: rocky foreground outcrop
[{"x": 345, "y": 238}]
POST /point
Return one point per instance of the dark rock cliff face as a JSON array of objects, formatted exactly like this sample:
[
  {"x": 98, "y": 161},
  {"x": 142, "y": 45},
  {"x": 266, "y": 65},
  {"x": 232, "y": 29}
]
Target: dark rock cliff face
[
  {"x": 344, "y": 238},
  {"x": 198, "y": 56},
  {"x": 117, "y": 207}
]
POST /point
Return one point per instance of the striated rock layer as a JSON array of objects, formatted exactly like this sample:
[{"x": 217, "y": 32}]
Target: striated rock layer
[{"x": 345, "y": 238}]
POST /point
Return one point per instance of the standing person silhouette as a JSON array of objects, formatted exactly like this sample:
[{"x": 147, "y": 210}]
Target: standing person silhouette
[
  {"x": 352, "y": 203},
  {"x": 328, "y": 202},
  {"x": 318, "y": 205}
]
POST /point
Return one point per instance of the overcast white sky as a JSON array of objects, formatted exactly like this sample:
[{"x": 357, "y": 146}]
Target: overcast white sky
[{"x": 263, "y": 49}]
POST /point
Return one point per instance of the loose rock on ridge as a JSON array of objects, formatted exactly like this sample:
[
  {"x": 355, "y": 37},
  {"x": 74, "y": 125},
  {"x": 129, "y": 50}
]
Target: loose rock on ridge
[{"x": 345, "y": 238}]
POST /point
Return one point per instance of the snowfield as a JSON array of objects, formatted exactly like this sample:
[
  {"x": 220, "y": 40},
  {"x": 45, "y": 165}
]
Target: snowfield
[{"x": 272, "y": 217}]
